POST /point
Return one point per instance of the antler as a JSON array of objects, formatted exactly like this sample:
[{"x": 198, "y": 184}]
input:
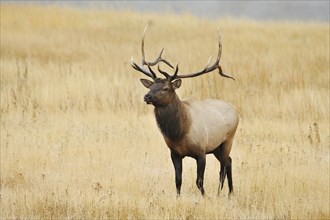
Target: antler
[
  {"x": 141, "y": 68},
  {"x": 206, "y": 69}
]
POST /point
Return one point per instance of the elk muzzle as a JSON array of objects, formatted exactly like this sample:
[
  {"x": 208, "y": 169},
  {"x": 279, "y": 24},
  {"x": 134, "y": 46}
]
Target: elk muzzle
[{"x": 147, "y": 98}]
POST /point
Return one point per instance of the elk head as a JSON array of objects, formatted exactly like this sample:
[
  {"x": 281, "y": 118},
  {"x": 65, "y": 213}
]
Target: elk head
[{"x": 162, "y": 91}]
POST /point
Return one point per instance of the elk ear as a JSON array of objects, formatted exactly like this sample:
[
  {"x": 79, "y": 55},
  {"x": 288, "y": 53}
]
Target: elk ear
[
  {"x": 177, "y": 83},
  {"x": 146, "y": 83}
]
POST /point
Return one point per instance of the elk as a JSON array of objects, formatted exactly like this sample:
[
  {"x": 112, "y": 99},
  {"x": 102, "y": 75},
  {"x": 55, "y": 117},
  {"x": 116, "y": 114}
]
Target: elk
[{"x": 190, "y": 128}]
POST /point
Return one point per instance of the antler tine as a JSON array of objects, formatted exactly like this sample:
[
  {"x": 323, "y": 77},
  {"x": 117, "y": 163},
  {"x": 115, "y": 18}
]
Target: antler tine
[
  {"x": 142, "y": 44},
  {"x": 219, "y": 56},
  {"x": 167, "y": 76},
  {"x": 159, "y": 59},
  {"x": 207, "y": 68},
  {"x": 175, "y": 72},
  {"x": 143, "y": 62},
  {"x": 219, "y": 44},
  {"x": 141, "y": 68},
  {"x": 152, "y": 72}
]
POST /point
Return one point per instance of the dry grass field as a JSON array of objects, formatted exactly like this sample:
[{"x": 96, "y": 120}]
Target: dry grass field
[{"x": 77, "y": 140}]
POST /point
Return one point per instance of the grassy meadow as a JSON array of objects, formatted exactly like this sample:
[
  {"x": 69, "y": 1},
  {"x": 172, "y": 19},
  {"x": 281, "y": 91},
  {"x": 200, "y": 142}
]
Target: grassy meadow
[{"x": 77, "y": 140}]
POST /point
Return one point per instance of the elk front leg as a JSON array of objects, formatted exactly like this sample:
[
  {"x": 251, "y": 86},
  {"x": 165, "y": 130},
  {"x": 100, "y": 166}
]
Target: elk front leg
[
  {"x": 177, "y": 162},
  {"x": 200, "y": 173}
]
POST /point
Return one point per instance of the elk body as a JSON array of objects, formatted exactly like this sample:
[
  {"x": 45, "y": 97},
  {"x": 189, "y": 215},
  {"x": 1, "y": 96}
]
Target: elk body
[{"x": 191, "y": 128}]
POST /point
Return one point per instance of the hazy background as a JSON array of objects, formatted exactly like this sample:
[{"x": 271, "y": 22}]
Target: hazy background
[{"x": 259, "y": 10}]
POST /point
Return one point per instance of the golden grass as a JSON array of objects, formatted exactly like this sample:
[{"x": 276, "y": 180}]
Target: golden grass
[{"x": 77, "y": 141}]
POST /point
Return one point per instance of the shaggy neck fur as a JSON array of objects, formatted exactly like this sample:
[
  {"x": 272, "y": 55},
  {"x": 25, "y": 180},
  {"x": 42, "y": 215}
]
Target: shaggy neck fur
[{"x": 172, "y": 120}]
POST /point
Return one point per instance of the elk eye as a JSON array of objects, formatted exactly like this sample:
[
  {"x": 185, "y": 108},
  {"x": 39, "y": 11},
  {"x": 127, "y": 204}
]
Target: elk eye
[{"x": 165, "y": 89}]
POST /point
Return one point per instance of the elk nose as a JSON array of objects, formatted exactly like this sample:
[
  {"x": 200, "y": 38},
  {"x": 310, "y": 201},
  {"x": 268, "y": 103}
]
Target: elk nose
[{"x": 147, "y": 98}]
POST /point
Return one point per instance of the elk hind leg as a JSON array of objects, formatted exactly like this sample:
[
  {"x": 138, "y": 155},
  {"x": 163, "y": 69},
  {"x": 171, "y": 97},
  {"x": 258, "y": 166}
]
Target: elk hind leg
[{"x": 222, "y": 154}]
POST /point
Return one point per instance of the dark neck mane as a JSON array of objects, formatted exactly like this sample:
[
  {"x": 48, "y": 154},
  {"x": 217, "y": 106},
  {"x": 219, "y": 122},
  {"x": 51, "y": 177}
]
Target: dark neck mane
[{"x": 172, "y": 120}]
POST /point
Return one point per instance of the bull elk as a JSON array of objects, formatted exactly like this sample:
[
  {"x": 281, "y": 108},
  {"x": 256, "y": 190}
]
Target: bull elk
[{"x": 190, "y": 128}]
